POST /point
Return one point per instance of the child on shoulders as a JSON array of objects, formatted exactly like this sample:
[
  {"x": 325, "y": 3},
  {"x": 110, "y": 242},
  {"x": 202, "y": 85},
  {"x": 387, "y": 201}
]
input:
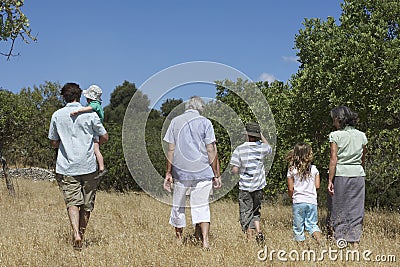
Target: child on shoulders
[{"x": 93, "y": 97}]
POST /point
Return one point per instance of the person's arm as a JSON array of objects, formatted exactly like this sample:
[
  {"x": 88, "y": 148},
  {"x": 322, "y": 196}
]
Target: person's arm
[
  {"x": 317, "y": 181},
  {"x": 332, "y": 167},
  {"x": 55, "y": 143},
  {"x": 266, "y": 147},
  {"x": 290, "y": 183},
  {"x": 168, "y": 172},
  {"x": 213, "y": 159},
  {"x": 103, "y": 139},
  {"x": 82, "y": 110},
  {"x": 53, "y": 134},
  {"x": 363, "y": 156},
  {"x": 263, "y": 139},
  {"x": 235, "y": 162},
  {"x": 217, "y": 159},
  {"x": 235, "y": 170},
  {"x": 217, "y": 183}
]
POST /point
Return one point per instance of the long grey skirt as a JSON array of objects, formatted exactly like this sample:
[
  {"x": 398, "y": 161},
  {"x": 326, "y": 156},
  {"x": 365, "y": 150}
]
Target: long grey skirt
[{"x": 347, "y": 210}]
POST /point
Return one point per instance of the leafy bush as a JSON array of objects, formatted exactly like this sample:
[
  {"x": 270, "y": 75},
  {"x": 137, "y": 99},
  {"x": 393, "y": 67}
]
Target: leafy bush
[
  {"x": 118, "y": 177},
  {"x": 383, "y": 170}
]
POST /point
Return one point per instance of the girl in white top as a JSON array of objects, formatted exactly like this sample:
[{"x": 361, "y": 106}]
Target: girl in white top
[{"x": 303, "y": 182}]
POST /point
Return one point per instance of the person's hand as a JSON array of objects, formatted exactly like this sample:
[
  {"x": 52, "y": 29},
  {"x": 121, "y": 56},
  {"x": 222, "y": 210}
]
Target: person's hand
[
  {"x": 217, "y": 183},
  {"x": 168, "y": 181},
  {"x": 74, "y": 113},
  {"x": 331, "y": 189}
]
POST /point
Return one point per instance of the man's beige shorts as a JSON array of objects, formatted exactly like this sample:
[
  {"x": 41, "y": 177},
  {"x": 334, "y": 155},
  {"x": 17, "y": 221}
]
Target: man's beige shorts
[{"x": 79, "y": 190}]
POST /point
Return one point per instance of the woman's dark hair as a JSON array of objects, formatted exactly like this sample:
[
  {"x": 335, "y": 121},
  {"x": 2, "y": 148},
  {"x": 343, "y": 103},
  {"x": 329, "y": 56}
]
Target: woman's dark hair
[
  {"x": 71, "y": 92},
  {"x": 345, "y": 116}
]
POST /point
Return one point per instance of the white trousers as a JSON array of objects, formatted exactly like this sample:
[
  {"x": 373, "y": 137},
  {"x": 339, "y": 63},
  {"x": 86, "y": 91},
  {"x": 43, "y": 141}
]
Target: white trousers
[{"x": 199, "y": 202}]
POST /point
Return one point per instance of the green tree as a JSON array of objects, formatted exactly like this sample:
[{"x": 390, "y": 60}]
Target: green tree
[
  {"x": 24, "y": 121},
  {"x": 9, "y": 117},
  {"x": 41, "y": 102},
  {"x": 154, "y": 143},
  {"x": 169, "y": 106},
  {"x": 354, "y": 63},
  {"x": 13, "y": 25},
  {"x": 119, "y": 177},
  {"x": 383, "y": 170},
  {"x": 119, "y": 101}
]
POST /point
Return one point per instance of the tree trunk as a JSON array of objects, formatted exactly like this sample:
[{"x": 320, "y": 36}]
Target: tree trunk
[{"x": 9, "y": 183}]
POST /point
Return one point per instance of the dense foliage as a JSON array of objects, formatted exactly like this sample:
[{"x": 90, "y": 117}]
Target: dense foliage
[
  {"x": 24, "y": 121},
  {"x": 354, "y": 63},
  {"x": 119, "y": 101}
]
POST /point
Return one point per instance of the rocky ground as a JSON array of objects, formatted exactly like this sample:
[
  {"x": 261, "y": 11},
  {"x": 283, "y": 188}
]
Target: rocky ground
[{"x": 30, "y": 173}]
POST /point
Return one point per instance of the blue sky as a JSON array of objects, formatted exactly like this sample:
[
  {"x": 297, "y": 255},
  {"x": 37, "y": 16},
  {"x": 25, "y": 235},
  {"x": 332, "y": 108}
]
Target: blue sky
[{"x": 107, "y": 42}]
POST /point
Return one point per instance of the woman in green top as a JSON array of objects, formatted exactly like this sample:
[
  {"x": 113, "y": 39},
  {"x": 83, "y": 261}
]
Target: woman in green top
[{"x": 346, "y": 183}]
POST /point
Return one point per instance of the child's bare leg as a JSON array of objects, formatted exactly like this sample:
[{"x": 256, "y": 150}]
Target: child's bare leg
[
  {"x": 257, "y": 225},
  {"x": 356, "y": 245},
  {"x": 318, "y": 237},
  {"x": 260, "y": 236},
  {"x": 99, "y": 156},
  {"x": 250, "y": 233}
]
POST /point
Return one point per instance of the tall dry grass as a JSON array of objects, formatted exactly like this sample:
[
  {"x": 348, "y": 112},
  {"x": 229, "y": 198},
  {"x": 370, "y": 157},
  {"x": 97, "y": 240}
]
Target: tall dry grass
[{"x": 133, "y": 230}]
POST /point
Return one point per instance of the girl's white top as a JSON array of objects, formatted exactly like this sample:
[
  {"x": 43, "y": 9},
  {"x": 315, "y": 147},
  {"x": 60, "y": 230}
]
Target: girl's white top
[{"x": 304, "y": 190}]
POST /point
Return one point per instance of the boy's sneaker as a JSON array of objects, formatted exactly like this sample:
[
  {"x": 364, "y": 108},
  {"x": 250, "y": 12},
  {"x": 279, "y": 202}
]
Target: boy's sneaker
[
  {"x": 260, "y": 239},
  {"x": 101, "y": 174}
]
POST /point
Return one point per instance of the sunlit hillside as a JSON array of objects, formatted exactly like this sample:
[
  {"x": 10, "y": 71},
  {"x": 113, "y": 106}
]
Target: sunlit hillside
[{"x": 133, "y": 230}]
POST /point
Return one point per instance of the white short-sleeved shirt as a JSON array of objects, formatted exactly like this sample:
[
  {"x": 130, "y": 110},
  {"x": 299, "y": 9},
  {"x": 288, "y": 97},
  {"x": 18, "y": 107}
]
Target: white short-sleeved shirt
[
  {"x": 76, "y": 149},
  {"x": 190, "y": 133},
  {"x": 305, "y": 190},
  {"x": 249, "y": 158}
]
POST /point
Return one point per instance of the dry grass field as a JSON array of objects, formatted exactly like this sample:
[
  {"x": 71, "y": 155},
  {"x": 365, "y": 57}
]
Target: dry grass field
[{"x": 133, "y": 230}]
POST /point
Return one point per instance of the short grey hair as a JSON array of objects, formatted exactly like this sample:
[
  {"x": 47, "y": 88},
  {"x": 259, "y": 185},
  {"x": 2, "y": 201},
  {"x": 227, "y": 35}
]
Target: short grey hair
[{"x": 195, "y": 102}]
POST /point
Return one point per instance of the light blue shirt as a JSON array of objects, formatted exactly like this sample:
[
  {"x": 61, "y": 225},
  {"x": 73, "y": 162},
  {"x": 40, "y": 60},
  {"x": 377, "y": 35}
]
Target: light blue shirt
[
  {"x": 76, "y": 150},
  {"x": 190, "y": 133}
]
